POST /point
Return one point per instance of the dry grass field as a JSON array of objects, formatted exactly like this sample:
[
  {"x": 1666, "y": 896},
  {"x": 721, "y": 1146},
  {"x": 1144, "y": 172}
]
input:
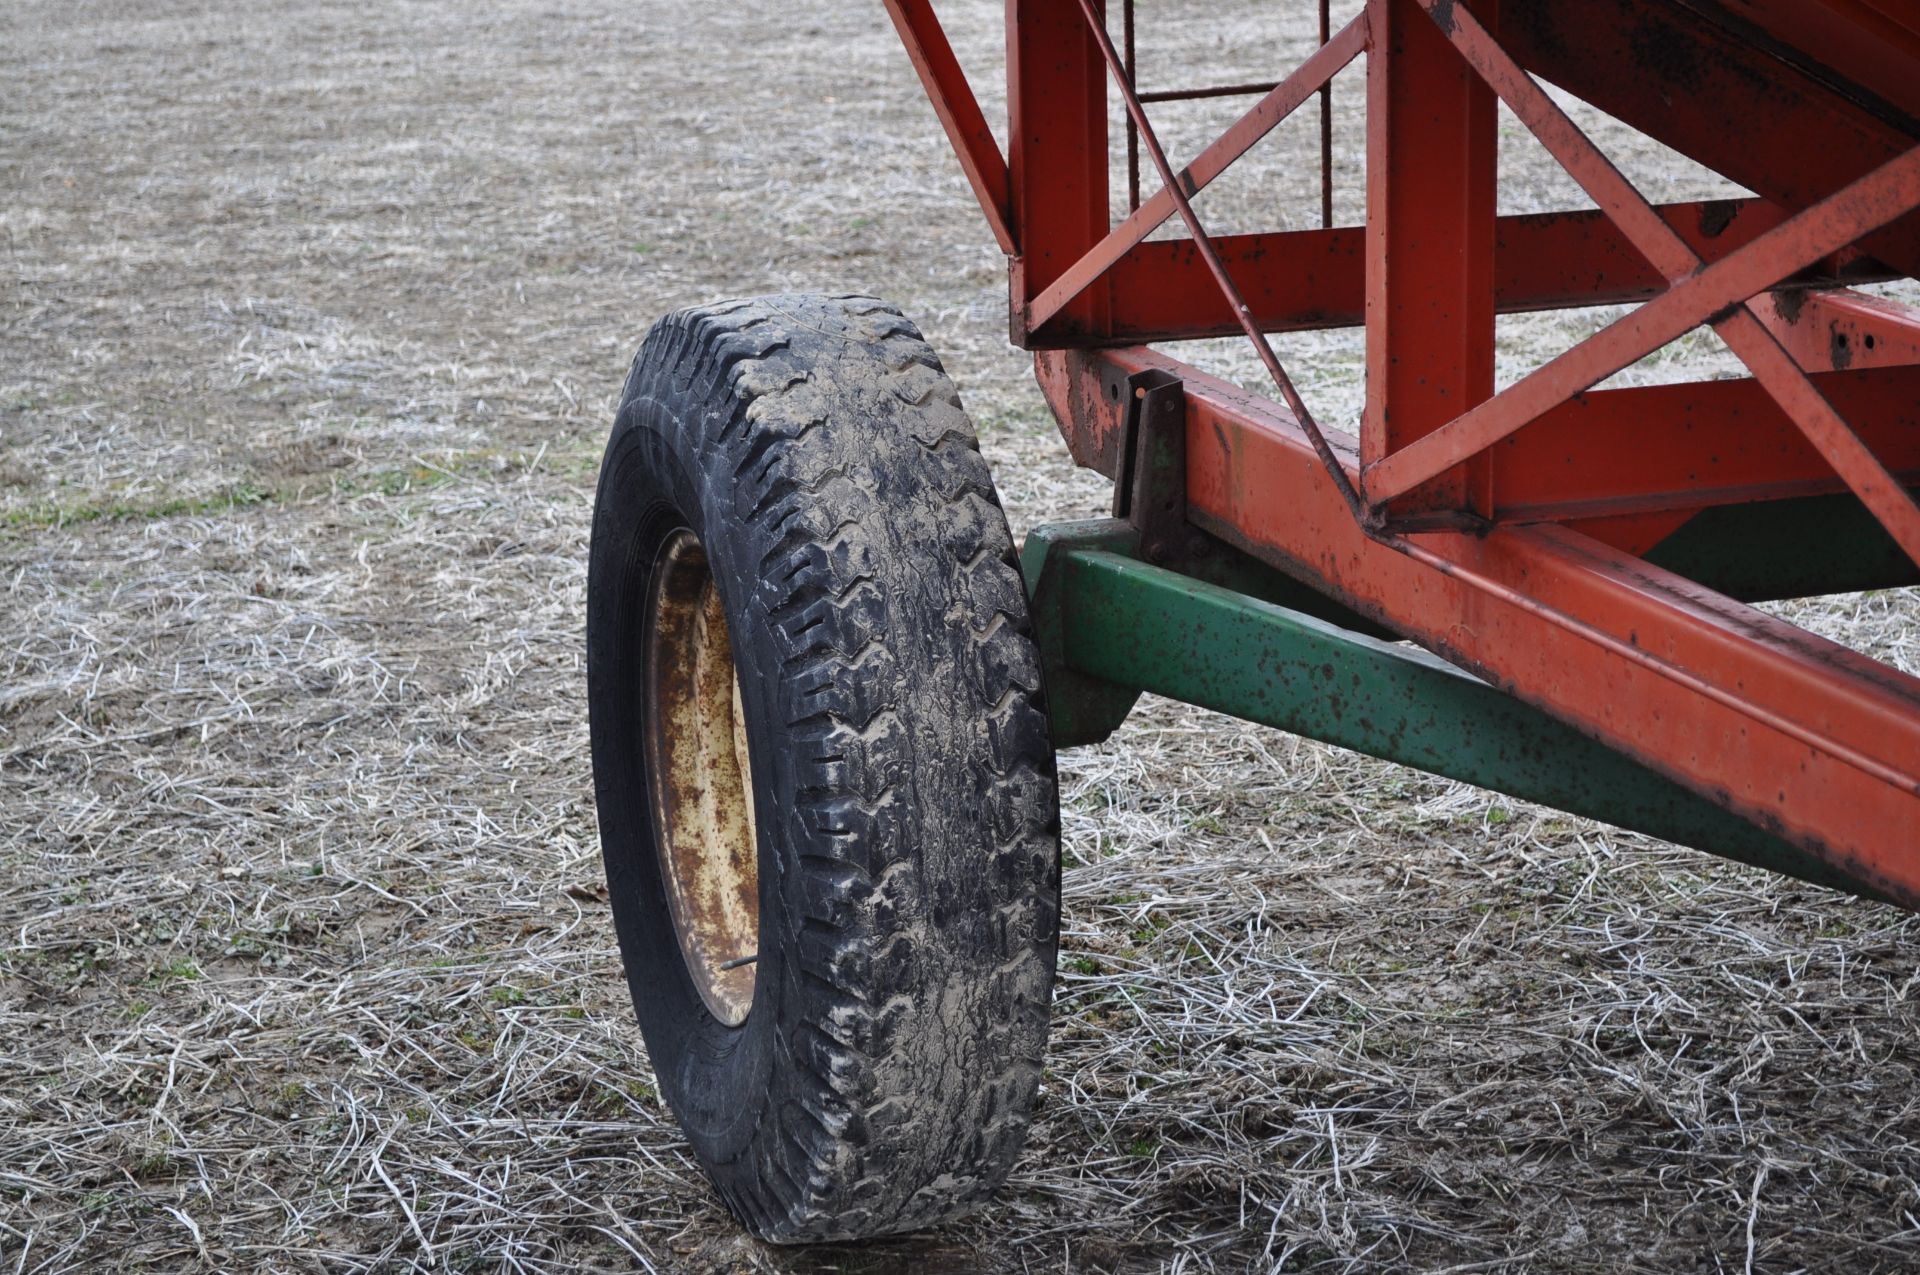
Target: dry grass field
[{"x": 310, "y": 321}]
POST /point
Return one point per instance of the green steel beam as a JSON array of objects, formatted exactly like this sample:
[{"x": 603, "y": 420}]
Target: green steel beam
[
  {"x": 1111, "y": 627},
  {"x": 1786, "y": 549},
  {"x": 1084, "y": 709}
]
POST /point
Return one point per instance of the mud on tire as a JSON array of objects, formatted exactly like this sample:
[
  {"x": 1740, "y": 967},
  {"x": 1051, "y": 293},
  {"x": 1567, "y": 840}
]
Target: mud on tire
[{"x": 903, "y": 806}]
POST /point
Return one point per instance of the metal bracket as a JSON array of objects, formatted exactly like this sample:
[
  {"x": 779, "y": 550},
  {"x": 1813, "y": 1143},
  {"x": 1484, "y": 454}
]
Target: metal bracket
[{"x": 1150, "y": 490}]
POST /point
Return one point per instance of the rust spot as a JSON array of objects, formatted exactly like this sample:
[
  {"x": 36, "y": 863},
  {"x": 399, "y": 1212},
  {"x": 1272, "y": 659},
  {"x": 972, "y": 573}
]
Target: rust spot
[{"x": 1839, "y": 349}]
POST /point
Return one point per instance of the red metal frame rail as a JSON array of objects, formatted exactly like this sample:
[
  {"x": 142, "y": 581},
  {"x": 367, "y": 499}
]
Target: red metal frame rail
[{"x": 1509, "y": 531}]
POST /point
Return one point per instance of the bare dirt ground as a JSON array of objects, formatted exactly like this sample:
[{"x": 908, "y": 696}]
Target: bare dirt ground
[{"x": 310, "y": 319}]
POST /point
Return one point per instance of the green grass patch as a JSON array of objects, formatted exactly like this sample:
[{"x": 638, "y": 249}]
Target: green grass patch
[
  {"x": 238, "y": 496},
  {"x": 182, "y": 970},
  {"x": 578, "y": 463}
]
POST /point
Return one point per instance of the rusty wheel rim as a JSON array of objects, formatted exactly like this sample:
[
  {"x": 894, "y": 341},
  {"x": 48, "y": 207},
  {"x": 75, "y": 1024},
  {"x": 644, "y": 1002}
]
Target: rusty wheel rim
[{"x": 698, "y": 764}]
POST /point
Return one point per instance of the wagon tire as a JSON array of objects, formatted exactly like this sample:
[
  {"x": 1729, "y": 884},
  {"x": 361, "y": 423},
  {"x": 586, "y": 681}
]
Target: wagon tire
[{"x": 822, "y": 768}]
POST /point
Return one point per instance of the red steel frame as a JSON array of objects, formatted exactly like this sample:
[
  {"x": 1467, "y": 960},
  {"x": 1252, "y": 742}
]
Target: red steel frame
[{"x": 1502, "y": 529}]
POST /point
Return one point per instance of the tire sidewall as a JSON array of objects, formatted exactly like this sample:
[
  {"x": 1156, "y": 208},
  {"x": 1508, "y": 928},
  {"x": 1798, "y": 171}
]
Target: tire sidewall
[{"x": 645, "y": 493}]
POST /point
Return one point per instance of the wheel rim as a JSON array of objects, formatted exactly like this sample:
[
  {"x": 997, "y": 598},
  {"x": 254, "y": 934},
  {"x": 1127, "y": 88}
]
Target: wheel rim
[{"x": 702, "y": 777}]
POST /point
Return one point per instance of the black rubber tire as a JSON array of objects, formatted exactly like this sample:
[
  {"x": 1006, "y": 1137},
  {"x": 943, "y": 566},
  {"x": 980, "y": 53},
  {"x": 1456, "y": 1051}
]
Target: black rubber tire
[{"x": 909, "y": 821}]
